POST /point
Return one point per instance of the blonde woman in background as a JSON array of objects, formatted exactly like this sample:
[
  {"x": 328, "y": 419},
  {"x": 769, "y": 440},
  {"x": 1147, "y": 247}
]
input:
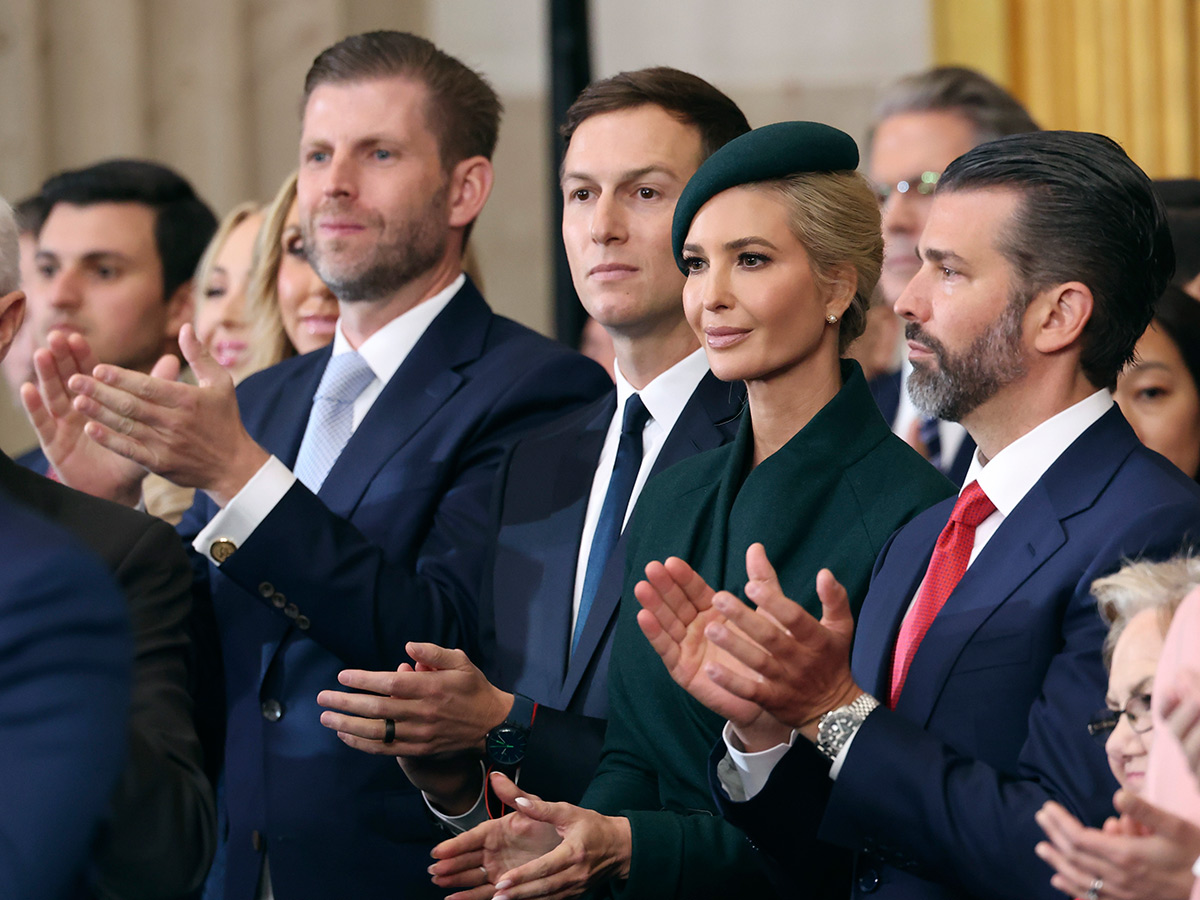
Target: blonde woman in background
[
  {"x": 222, "y": 277},
  {"x": 289, "y": 308}
]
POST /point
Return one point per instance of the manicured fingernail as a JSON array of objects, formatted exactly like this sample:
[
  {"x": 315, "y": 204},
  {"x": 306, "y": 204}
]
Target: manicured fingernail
[
  {"x": 523, "y": 802},
  {"x": 501, "y": 885}
]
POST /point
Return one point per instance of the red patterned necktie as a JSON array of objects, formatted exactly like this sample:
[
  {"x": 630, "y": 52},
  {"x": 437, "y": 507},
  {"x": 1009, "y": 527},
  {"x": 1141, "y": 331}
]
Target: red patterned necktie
[{"x": 946, "y": 568}]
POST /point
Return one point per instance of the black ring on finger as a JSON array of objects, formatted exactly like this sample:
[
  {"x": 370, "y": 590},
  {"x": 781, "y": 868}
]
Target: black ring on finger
[{"x": 389, "y": 730}]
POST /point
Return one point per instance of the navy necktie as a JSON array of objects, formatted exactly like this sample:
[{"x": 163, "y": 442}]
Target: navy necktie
[
  {"x": 931, "y": 436},
  {"x": 616, "y": 502}
]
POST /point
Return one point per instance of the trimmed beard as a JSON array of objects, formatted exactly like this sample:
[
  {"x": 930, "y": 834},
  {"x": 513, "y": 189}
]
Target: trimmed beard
[
  {"x": 962, "y": 382},
  {"x": 402, "y": 255}
]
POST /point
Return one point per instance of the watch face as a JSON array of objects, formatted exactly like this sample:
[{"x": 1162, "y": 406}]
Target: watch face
[{"x": 506, "y": 744}]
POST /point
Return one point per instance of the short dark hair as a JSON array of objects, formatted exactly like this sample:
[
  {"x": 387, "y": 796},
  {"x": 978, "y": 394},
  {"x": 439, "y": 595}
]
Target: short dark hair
[
  {"x": 992, "y": 111},
  {"x": 30, "y": 213},
  {"x": 689, "y": 98},
  {"x": 464, "y": 111},
  {"x": 183, "y": 223},
  {"x": 1087, "y": 214}
]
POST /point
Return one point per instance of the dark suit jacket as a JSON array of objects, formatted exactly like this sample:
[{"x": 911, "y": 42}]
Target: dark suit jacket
[
  {"x": 831, "y": 496},
  {"x": 163, "y": 830},
  {"x": 938, "y": 797},
  {"x": 65, "y": 660},
  {"x": 543, "y": 492},
  {"x": 390, "y": 551}
]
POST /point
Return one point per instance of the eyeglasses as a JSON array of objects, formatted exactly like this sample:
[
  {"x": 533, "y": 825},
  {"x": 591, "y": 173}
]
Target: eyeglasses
[
  {"x": 1137, "y": 710},
  {"x": 922, "y": 184}
]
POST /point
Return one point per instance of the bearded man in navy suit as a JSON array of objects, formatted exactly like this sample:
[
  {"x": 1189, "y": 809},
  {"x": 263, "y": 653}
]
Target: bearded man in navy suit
[
  {"x": 964, "y": 706},
  {"x": 633, "y": 141},
  {"x": 394, "y": 433}
]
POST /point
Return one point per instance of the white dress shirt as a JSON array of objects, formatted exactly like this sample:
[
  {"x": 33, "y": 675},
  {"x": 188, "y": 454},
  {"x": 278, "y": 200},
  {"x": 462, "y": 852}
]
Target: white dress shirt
[
  {"x": 665, "y": 398},
  {"x": 1006, "y": 479},
  {"x": 384, "y": 352}
]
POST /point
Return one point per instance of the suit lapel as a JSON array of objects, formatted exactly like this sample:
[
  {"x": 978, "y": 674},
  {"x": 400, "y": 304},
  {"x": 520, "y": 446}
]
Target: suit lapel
[
  {"x": 1024, "y": 542},
  {"x": 567, "y": 467},
  {"x": 426, "y": 379},
  {"x": 707, "y": 421}
]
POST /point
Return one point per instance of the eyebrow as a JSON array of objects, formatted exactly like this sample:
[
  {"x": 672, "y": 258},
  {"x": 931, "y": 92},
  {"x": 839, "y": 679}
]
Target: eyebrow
[
  {"x": 940, "y": 256},
  {"x": 92, "y": 257},
  {"x": 1144, "y": 365},
  {"x": 1142, "y": 687},
  {"x": 631, "y": 175},
  {"x": 739, "y": 244}
]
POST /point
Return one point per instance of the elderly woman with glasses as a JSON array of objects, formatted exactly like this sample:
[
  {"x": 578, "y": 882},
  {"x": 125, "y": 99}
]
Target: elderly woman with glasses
[{"x": 1148, "y": 854}]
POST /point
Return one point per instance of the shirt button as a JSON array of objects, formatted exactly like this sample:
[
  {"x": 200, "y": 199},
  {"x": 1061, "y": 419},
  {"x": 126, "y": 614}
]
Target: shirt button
[{"x": 272, "y": 710}]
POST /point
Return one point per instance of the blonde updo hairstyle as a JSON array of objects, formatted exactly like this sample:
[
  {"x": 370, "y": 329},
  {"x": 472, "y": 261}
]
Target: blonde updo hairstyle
[{"x": 835, "y": 215}]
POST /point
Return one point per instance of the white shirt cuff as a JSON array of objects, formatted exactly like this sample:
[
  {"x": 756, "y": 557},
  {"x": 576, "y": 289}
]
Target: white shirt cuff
[
  {"x": 476, "y": 815},
  {"x": 1196, "y": 867},
  {"x": 742, "y": 774},
  {"x": 246, "y": 511},
  {"x": 841, "y": 756}
]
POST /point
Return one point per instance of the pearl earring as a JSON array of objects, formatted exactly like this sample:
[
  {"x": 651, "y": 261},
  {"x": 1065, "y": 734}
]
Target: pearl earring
[{"x": 831, "y": 319}]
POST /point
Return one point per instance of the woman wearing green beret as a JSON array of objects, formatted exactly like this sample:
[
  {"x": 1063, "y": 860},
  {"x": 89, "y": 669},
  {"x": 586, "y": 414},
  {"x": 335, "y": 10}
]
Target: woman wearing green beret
[{"x": 780, "y": 240}]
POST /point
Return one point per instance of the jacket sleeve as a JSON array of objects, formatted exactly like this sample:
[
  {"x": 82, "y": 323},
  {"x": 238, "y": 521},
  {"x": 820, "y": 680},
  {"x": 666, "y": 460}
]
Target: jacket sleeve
[
  {"x": 164, "y": 822},
  {"x": 363, "y": 601}
]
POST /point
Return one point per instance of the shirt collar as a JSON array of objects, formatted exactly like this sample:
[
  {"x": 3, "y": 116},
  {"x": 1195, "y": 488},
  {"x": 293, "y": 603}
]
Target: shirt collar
[
  {"x": 1008, "y": 477},
  {"x": 388, "y": 347},
  {"x": 667, "y": 395}
]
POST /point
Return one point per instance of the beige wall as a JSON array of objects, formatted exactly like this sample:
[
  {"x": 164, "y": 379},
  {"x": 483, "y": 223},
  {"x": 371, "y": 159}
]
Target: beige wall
[{"x": 212, "y": 86}]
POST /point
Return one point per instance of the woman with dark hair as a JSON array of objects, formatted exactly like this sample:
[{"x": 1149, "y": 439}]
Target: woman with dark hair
[
  {"x": 779, "y": 238},
  {"x": 1159, "y": 392}
]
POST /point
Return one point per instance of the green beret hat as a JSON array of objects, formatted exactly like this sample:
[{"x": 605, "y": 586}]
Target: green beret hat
[{"x": 773, "y": 151}]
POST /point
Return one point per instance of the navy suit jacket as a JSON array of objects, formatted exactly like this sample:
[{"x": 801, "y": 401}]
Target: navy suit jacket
[
  {"x": 542, "y": 497},
  {"x": 390, "y": 551},
  {"x": 937, "y": 797},
  {"x": 65, "y": 662}
]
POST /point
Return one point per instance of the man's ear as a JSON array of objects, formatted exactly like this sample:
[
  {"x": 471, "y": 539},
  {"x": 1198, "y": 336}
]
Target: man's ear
[
  {"x": 181, "y": 309},
  {"x": 470, "y": 185},
  {"x": 12, "y": 314},
  {"x": 1060, "y": 315}
]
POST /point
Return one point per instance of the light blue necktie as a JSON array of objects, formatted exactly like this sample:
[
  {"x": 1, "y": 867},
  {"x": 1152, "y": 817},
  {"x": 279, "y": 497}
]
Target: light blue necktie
[
  {"x": 331, "y": 420},
  {"x": 616, "y": 503}
]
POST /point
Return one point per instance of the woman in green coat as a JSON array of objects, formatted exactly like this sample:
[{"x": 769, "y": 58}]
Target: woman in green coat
[{"x": 780, "y": 240}]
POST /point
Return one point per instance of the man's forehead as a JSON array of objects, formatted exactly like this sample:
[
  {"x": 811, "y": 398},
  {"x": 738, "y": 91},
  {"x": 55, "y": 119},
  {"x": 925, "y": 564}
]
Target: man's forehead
[
  {"x": 961, "y": 219},
  {"x": 634, "y": 139},
  {"x": 909, "y": 143},
  {"x": 124, "y": 227},
  {"x": 327, "y": 102}
]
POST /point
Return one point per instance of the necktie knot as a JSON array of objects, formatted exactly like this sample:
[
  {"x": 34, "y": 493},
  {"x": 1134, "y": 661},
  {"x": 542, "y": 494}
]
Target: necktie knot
[
  {"x": 346, "y": 376},
  {"x": 972, "y": 506},
  {"x": 636, "y": 415}
]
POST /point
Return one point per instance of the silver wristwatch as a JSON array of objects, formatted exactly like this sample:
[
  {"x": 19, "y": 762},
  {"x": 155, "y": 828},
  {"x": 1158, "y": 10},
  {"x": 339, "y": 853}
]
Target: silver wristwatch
[{"x": 838, "y": 725}]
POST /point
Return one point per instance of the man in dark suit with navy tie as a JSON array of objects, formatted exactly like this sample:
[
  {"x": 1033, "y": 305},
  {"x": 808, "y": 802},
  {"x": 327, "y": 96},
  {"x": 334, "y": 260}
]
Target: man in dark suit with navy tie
[
  {"x": 564, "y": 494},
  {"x": 344, "y": 509},
  {"x": 926, "y": 753}
]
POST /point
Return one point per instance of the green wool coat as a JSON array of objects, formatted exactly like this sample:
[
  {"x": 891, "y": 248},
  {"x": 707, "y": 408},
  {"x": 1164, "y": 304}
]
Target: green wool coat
[{"x": 830, "y": 497}]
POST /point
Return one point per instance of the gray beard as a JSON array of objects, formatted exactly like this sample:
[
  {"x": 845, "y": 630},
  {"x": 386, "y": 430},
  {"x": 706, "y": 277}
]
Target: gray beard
[{"x": 962, "y": 382}]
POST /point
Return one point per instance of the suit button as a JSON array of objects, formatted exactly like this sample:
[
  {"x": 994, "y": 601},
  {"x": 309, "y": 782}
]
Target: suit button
[
  {"x": 303, "y": 623},
  {"x": 256, "y": 840},
  {"x": 278, "y": 600},
  {"x": 291, "y": 610},
  {"x": 272, "y": 710},
  {"x": 868, "y": 880},
  {"x": 266, "y": 589}
]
